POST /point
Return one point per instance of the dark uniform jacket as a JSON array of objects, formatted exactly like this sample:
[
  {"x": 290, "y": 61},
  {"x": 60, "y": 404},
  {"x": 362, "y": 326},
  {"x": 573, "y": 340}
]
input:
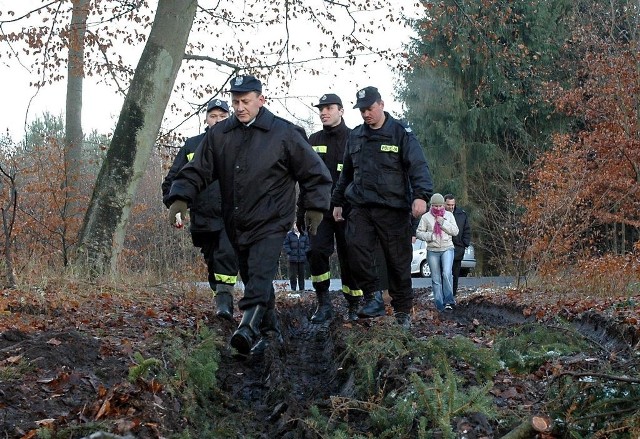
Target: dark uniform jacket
[
  {"x": 206, "y": 211},
  {"x": 329, "y": 143},
  {"x": 463, "y": 238},
  {"x": 257, "y": 167},
  {"x": 384, "y": 168}
]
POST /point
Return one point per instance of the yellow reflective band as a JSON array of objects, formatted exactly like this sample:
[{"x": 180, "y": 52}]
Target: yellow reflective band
[
  {"x": 339, "y": 167},
  {"x": 320, "y": 149},
  {"x": 389, "y": 148},
  {"x": 231, "y": 280},
  {"x": 190, "y": 156},
  {"x": 320, "y": 277},
  {"x": 349, "y": 291}
]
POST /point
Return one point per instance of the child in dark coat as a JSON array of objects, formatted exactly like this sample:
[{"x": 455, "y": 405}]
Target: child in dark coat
[{"x": 296, "y": 246}]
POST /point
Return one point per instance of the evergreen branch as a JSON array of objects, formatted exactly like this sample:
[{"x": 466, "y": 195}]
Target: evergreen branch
[{"x": 623, "y": 379}]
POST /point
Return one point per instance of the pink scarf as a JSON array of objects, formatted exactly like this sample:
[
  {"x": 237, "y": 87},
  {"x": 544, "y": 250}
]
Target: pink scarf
[{"x": 437, "y": 211}]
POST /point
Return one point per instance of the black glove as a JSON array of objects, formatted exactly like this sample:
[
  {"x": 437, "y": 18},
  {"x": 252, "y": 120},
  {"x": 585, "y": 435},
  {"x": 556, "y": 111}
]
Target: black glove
[
  {"x": 312, "y": 219},
  {"x": 178, "y": 207}
]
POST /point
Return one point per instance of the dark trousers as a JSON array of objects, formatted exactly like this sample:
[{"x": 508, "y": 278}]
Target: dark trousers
[
  {"x": 455, "y": 269},
  {"x": 218, "y": 253},
  {"x": 258, "y": 264},
  {"x": 322, "y": 247},
  {"x": 392, "y": 228},
  {"x": 296, "y": 275}
]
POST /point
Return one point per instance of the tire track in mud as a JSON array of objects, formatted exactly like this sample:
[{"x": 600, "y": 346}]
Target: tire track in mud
[
  {"x": 291, "y": 377},
  {"x": 611, "y": 337}
]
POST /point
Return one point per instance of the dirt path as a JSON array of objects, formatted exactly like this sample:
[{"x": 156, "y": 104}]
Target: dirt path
[{"x": 70, "y": 373}]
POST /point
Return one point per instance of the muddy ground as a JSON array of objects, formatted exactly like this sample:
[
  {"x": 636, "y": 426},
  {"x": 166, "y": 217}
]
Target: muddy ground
[{"x": 65, "y": 366}]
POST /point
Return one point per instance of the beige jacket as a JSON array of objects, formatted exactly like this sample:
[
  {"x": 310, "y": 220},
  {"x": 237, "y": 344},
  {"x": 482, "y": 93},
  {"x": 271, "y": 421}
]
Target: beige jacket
[{"x": 435, "y": 242}]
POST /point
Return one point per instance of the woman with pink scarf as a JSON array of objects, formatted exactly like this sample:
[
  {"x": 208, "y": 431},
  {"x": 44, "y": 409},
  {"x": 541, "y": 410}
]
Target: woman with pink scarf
[{"x": 436, "y": 228}]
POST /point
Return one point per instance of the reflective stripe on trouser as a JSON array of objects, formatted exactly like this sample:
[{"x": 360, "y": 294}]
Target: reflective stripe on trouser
[
  {"x": 322, "y": 246},
  {"x": 392, "y": 228},
  {"x": 350, "y": 292},
  {"x": 222, "y": 264}
]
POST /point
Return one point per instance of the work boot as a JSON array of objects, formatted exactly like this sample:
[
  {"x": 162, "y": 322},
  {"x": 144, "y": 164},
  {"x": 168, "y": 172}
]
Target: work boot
[
  {"x": 353, "y": 303},
  {"x": 224, "y": 304},
  {"x": 403, "y": 319},
  {"x": 373, "y": 305},
  {"x": 249, "y": 328},
  {"x": 324, "y": 311},
  {"x": 269, "y": 333}
]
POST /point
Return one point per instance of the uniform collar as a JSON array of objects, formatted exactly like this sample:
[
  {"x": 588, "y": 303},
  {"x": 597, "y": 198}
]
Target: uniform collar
[{"x": 263, "y": 121}]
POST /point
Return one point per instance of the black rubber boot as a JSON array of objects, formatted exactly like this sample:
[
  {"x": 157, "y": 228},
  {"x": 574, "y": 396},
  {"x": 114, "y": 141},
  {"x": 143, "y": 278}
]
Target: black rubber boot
[
  {"x": 403, "y": 319},
  {"x": 373, "y": 305},
  {"x": 269, "y": 333},
  {"x": 224, "y": 302},
  {"x": 249, "y": 328},
  {"x": 353, "y": 303},
  {"x": 324, "y": 311}
]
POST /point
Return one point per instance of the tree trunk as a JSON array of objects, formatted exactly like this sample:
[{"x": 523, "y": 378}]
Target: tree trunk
[
  {"x": 8, "y": 252},
  {"x": 102, "y": 233},
  {"x": 73, "y": 120}
]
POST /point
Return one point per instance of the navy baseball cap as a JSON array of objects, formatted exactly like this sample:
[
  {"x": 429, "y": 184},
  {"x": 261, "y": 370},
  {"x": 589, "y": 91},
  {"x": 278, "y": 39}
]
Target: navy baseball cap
[
  {"x": 328, "y": 99},
  {"x": 366, "y": 97},
  {"x": 218, "y": 103},
  {"x": 244, "y": 84}
]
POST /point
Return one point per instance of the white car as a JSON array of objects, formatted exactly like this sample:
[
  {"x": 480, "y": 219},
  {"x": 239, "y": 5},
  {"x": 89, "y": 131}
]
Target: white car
[{"x": 420, "y": 266}]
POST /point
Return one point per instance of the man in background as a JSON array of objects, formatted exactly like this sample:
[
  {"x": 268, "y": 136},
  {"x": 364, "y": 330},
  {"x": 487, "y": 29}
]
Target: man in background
[
  {"x": 330, "y": 144},
  {"x": 206, "y": 224},
  {"x": 386, "y": 180},
  {"x": 462, "y": 240}
]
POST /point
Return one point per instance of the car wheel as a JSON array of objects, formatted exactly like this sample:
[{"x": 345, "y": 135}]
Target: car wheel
[{"x": 425, "y": 271}]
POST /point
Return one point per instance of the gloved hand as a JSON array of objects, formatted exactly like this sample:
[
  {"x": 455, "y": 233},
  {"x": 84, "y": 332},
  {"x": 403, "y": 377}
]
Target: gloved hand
[
  {"x": 312, "y": 219},
  {"x": 177, "y": 207}
]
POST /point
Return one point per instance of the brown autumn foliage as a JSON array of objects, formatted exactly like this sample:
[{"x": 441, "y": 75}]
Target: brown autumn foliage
[
  {"x": 584, "y": 204},
  {"x": 43, "y": 237}
]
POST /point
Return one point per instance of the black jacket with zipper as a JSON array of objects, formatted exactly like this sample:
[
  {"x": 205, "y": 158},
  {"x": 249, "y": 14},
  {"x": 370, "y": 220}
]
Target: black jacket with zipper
[{"x": 257, "y": 167}]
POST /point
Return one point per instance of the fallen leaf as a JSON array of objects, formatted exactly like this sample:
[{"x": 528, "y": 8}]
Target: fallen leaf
[
  {"x": 15, "y": 359},
  {"x": 54, "y": 342},
  {"x": 30, "y": 435},
  {"x": 511, "y": 392},
  {"x": 104, "y": 409}
]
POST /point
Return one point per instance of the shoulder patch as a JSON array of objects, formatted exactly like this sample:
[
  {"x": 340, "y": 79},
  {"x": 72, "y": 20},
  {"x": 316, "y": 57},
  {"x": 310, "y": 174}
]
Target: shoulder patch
[{"x": 407, "y": 129}]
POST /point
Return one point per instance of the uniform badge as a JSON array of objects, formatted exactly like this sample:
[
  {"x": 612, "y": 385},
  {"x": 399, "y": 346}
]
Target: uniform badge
[
  {"x": 323, "y": 98},
  {"x": 361, "y": 94},
  {"x": 218, "y": 102},
  {"x": 239, "y": 80}
]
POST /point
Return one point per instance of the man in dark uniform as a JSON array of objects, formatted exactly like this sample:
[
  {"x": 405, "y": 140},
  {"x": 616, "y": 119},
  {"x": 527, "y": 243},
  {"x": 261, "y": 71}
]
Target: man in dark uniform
[
  {"x": 330, "y": 143},
  {"x": 462, "y": 240},
  {"x": 205, "y": 223},
  {"x": 386, "y": 179},
  {"x": 257, "y": 157}
]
